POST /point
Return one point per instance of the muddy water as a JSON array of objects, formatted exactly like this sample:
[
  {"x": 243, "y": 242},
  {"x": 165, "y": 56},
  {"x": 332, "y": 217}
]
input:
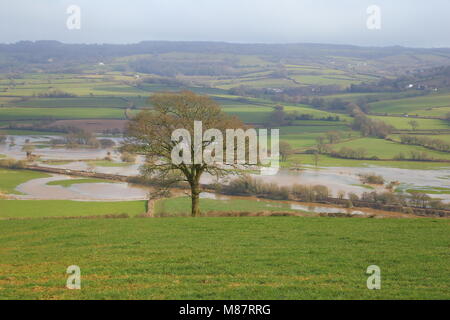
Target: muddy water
[
  {"x": 308, "y": 207},
  {"x": 130, "y": 170},
  {"x": 347, "y": 179},
  {"x": 51, "y": 153},
  {"x": 38, "y": 189},
  {"x": 336, "y": 179},
  {"x": 321, "y": 209}
]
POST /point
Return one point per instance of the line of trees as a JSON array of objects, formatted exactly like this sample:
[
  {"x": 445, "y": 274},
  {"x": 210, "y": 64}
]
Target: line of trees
[
  {"x": 56, "y": 93},
  {"x": 279, "y": 117},
  {"x": 349, "y": 153},
  {"x": 414, "y": 156},
  {"x": 430, "y": 143},
  {"x": 248, "y": 186},
  {"x": 370, "y": 127}
]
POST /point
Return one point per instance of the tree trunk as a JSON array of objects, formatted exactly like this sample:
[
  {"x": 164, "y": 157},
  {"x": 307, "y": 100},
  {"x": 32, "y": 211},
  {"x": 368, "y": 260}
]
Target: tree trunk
[
  {"x": 195, "y": 197},
  {"x": 195, "y": 193}
]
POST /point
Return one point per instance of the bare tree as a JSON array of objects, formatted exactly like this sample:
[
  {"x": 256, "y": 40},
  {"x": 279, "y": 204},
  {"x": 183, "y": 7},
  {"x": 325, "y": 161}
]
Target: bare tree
[
  {"x": 150, "y": 133},
  {"x": 414, "y": 124},
  {"x": 285, "y": 150}
]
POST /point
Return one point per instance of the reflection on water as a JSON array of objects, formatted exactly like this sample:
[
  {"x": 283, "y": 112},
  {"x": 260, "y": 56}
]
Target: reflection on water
[
  {"x": 320, "y": 209},
  {"x": 293, "y": 206},
  {"x": 336, "y": 179},
  {"x": 51, "y": 153},
  {"x": 38, "y": 189}
]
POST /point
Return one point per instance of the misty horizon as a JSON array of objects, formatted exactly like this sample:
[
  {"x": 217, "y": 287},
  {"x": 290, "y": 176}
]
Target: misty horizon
[
  {"x": 225, "y": 42},
  {"x": 241, "y": 22}
]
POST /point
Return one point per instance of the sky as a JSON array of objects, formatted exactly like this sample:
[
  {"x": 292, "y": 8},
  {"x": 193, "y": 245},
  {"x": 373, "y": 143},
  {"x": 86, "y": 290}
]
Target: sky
[{"x": 412, "y": 23}]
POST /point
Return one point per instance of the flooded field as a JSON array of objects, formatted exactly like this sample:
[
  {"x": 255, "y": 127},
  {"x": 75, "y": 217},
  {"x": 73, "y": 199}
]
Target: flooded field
[
  {"x": 89, "y": 159},
  {"x": 118, "y": 191},
  {"x": 307, "y": 207}
]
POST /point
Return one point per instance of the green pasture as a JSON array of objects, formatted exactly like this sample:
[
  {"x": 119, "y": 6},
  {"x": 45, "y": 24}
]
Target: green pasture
[
  {"x": 225, "y": 258},
  {"x": 181, "y": 206},
  {"x": 10, "y": 179},
  {"x": 432, "y": 102},
  {"x": 70, "y": 182},
  {"x": 67, "y": 208},
  {"x": 402, "y": 123},
  {"x": 60, "y": 113},
  {"x": 384, "y": 149}
]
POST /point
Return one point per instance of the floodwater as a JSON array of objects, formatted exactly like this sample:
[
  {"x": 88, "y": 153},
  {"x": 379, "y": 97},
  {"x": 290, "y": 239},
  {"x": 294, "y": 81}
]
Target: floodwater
[
  {"x": 335, "y": 178},
  {"x": 347, "y": 179},
  {"x": 307, "y": 207},
  {"x": 118, "y": 191},
  {"x": 51, "y": 153}
]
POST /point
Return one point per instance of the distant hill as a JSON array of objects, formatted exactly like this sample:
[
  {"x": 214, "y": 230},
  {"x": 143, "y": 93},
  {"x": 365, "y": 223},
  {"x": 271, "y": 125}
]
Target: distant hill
[{"x": 50, "y": 56}]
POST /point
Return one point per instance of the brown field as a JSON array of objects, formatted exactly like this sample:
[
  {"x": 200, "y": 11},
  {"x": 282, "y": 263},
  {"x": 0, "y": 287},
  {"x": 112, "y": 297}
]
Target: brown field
[{"x": 93, "y": 125}]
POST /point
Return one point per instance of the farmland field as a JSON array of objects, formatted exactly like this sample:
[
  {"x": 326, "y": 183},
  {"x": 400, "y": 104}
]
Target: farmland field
[
  {"x": 64, "y": 208},
  {"x": 384, "y": 149},
  {"x": 67, "y": 114},
  {"x": 432, "y": 105},
  {"x": 60, "y": 113},
  {"x": 10, "y": 179},
  {"x": 225, "y": 258},
  {"x": 180, "y": 206},
  {"x": 402, "y": 123}
]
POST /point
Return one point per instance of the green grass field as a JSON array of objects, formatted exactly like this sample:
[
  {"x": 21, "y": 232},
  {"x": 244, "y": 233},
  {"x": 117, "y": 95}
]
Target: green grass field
[
  {"x": 10, "y": 179},
  {"x": 401, "y": 123},
  {"x": 225, "y": 258},
  {"x": 181, "y": 206},
  {"x": 384, "y": 149},
  {"x": 79, "y": 102},
  {"x": 432, "y": 105},
  {"x": 60, "y": 113},
  {"x": 67, "y": 208},
  {"x": 328, "y": 161},
  {"x": 430, "y": 190},
  {"x": 442, "y": 137},
  {"x": 70, "y": 182}
]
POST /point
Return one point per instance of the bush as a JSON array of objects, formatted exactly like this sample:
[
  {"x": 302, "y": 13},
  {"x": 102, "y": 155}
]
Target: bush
[
  {"x": 13, "y": 164},
  {"x": 310, "y": 193},
  {"x": 128, "y": 157},
  {"x": 371, "y": 179},
  {"x": 353, "y": 197}
]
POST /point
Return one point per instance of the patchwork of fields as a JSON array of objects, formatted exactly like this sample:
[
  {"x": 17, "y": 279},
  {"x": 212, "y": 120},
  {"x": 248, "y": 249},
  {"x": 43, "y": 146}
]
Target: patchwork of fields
[
  {"x": 430, "y": 105},
  {"x": 221, "y": 258}
]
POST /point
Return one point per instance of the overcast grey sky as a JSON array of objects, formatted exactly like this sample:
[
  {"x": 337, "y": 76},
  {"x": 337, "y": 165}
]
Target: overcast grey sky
[{"x": 417, "y": 23}]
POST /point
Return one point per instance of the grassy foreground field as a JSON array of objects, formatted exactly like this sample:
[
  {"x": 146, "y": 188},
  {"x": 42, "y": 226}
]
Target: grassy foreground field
[
  {"x": 223, "y": 258},
  {"x": 67, "y": 208},
  {"x": 181, "y": 206}
]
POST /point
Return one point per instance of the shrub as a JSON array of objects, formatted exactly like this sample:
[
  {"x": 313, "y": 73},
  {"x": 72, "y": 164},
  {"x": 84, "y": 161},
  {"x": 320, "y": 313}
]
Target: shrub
[
  {"x": 13, "y": 164},
  {"x": 128, "y": 157},
  {"x": 353, "y": 197},
  {"x": 371, "y": 178}
]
